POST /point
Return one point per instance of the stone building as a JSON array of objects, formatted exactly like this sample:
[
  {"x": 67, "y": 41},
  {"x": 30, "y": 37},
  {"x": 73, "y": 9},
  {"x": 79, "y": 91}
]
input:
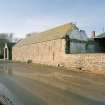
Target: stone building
[
  {"x": 51, "y": 46},
  {"x": 65, "y": 45}
]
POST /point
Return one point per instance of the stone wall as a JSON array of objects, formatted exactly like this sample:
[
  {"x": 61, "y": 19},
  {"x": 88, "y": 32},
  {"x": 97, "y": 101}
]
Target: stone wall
[
  {"x": 49, "y": 52},
  {"x": 53, "y": 53},
  {"x": 90, "y": 61}
]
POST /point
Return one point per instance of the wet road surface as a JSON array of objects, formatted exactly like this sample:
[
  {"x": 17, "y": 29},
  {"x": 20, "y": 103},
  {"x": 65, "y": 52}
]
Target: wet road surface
[{"x": 38, "y": 85}]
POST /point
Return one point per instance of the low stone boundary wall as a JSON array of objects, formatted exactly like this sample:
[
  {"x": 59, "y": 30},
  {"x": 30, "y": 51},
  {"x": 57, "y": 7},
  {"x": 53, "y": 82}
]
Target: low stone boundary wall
[
  {"x": 93, "y": 61},
  {"x": 89, "y": 61}
]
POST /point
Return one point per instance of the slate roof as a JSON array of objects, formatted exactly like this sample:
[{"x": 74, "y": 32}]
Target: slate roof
[{"x": 52, "y": 34}]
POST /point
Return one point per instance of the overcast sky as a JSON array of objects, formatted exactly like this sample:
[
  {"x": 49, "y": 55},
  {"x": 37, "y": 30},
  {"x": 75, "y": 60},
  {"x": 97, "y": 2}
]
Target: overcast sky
[{"x": 25, "y": 16}]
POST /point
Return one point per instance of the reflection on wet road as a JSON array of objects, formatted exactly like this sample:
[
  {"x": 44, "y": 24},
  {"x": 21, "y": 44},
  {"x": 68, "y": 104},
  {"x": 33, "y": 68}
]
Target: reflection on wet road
[
  {"x": 43, "y": 90},
  {"x": 6, "y": 67},
  {"x": 10, "y": 87}
]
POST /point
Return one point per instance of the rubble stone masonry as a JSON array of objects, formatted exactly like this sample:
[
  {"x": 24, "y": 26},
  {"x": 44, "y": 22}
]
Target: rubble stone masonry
[{"x": 53, "y": 53}]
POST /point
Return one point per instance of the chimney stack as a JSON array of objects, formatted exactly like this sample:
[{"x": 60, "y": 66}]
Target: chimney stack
[{"x": 93, "y": 34}]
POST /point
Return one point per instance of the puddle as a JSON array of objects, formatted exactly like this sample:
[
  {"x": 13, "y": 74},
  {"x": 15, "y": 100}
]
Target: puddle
[{"x": 4, "y": 92}]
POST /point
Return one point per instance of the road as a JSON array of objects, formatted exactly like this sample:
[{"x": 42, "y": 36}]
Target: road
[{"x": 28, "y": 84}]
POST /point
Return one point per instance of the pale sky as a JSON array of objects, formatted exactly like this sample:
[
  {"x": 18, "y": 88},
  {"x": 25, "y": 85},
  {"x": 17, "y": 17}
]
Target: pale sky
[{"x": 25, "y": 16}]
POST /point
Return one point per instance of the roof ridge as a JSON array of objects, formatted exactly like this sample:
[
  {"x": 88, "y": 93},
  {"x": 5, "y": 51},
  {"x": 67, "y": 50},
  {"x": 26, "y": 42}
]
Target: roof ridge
[{"x": 52, "y": 34}]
